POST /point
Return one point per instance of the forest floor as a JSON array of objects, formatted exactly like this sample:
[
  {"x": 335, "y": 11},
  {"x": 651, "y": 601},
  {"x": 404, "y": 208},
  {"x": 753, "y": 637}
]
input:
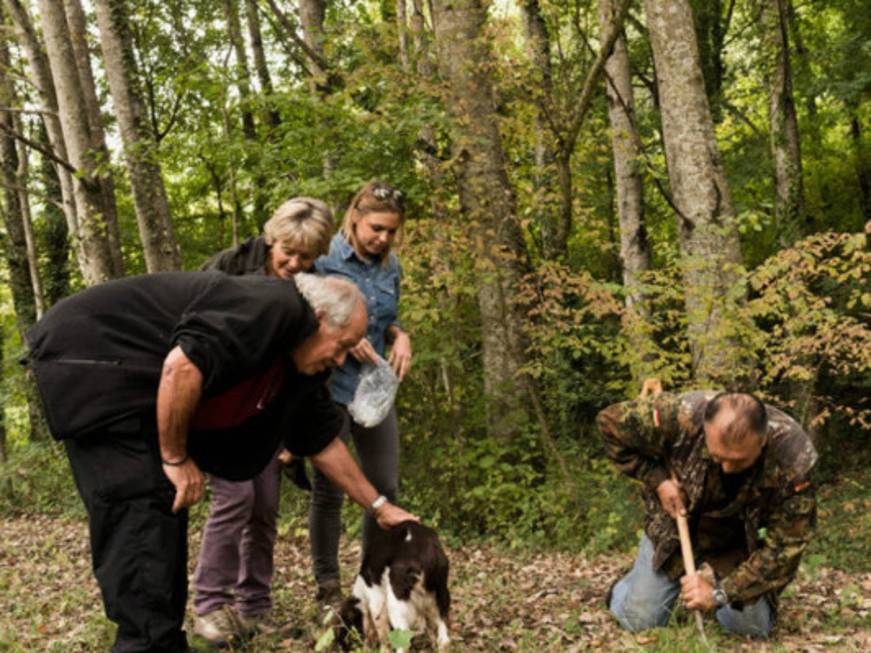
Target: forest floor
[{"x": 503, "y": 599}]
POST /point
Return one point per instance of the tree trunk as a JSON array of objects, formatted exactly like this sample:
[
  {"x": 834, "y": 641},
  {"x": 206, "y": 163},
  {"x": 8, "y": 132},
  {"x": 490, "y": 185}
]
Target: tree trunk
[
  {"x": 863, "y": 174},
  {"x": 54, "y": 242},
  {"x": 710, "y": 26},
  {"x": 783, "y": 124},
  {"x": 252, "y": 15},
  {"x": 311, "y": 17},
  {"x": 626, "y": 146},
  {"x": 538, "y": 46},
  {"x": 488, "y": 203},
  {"x": 94, "y": 252},
  {"x": 77, "y": 23},
  {"x": 243, "y": 76},
  {"x": 706, "y": 226},
  {"x": 402, "y": 34},
  {"x": 20, "y": 281},
  {"x": 41, "y": 77},
  {"x": 22, "y": 181},
  {"x": 140, "y": 147},
  {"x": 567, "y": 132}
]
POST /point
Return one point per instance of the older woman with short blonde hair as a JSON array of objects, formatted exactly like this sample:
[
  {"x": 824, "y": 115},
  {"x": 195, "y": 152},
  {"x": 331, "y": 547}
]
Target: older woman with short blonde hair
[{"x": 233, "y": 579}]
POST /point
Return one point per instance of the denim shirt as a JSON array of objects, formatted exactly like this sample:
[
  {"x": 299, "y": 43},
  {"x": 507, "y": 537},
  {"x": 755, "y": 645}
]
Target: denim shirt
[{"x": 379, "y": 284}]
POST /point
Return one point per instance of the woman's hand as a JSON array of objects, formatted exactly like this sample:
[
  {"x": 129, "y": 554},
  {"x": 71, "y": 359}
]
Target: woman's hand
[
  {"x": 400, "y": 354},
  {"x": 363, "y": 352}
]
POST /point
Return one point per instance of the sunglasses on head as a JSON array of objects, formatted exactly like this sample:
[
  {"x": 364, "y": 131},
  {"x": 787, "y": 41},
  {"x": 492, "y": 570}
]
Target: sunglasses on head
[{"x": 386, "y": 192}]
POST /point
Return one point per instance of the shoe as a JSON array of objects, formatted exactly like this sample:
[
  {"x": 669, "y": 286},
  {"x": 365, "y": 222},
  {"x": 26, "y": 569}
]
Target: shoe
[
  {"x": 219, "y": 627},
  {"x": 329, "y": 594},
  {"x": 265, "y": 624}
]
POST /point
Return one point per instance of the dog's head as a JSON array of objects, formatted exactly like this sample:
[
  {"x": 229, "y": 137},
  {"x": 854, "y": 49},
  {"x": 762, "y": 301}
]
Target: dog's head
[{"x": 349, "y": 633}]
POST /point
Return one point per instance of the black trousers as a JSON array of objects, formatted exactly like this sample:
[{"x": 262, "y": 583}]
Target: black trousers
[{"x": 138, "y": 546}]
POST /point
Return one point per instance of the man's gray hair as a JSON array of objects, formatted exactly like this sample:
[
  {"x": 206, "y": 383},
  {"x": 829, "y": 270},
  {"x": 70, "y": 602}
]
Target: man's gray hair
[{"x": 336, "y": 297}]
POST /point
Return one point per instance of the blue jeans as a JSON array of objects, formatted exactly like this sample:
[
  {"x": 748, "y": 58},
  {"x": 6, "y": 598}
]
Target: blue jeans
[{"x": 644, "y": 598}]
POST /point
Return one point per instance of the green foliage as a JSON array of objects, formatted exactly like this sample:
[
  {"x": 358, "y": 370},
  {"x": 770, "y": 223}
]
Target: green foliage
[{"x": 36, "y": 479}]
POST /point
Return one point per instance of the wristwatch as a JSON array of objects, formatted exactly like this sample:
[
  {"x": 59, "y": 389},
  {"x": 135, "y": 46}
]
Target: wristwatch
[
  {"x": 721, "y": 599},
  {"x": 380, "y": 500}
]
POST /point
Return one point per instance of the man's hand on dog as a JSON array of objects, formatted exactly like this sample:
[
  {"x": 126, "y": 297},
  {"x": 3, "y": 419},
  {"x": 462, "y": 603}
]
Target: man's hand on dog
[{"x": 390, "y": 515}]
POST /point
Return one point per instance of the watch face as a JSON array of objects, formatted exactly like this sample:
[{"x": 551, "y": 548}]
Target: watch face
[{"x": 720, "y": 597}]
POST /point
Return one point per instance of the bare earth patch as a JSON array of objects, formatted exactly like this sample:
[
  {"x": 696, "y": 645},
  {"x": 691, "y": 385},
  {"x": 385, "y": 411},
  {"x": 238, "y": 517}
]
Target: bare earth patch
[{"x": 502, "y": 601}]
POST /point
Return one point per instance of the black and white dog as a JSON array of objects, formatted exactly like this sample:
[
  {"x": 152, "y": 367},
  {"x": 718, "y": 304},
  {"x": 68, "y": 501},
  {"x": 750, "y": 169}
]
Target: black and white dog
[{"x": 402, "y": 584}]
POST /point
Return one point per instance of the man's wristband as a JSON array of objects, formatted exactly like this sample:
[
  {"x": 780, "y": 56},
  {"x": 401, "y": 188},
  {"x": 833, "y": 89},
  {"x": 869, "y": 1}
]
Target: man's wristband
[
  {"x": 380, "y": 500},
  {"x": 175, "y": 463}
]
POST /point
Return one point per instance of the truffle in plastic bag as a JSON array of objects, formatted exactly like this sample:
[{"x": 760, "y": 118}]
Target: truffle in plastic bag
[{"x": 375, "y": 393}]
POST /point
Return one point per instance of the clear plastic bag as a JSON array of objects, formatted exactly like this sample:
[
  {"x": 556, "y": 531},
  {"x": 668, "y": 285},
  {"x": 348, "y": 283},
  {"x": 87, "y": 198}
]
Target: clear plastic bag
[{"x": 375, "y": 394}]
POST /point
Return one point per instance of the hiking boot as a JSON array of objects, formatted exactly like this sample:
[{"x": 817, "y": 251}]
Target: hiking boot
[
  {"x": 329, "y": 594},
  {"x": 218, "y": 627}
]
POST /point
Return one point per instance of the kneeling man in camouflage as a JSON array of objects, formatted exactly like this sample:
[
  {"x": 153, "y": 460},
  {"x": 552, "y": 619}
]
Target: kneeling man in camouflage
[{"x": 739, "y": 470}]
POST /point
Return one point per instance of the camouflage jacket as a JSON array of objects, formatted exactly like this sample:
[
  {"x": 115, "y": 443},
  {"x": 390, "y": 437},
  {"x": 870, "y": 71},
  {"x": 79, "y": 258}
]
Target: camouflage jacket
[{"x": 647, "y": 439}]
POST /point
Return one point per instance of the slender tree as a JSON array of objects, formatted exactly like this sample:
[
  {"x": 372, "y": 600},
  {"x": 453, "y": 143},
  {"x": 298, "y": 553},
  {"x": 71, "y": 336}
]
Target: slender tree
[
  {"x": 40, "y": 75},
  {"x": 488, "y": 203},
  {"x": 53, "y": 237},
  {"x": 539, "y": 47},
  {"x": 140, "y": 145},
  {"x": 312, "y": 14},
  {"x": 783, "y": 124},
  {"x": 15, "y": 254},
  {"x": 252, "y": 16},
  {"x": 565, "y": 109},
  {"x": 627, "y": 155},
  {"x": 243, "y": 75},
  {"x": 78, "y": 32},
  {"x": 94, "y": 252},
  {"x": 706, "y": 226}
]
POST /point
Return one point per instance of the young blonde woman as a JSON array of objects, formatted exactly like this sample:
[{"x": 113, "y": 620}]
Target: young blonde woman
[
  {"x": 233, "y": 579},
  {"x": 361, "y": 252}
]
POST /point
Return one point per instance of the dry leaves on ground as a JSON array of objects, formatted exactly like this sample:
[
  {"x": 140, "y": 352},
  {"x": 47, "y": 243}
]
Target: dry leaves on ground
[{"x": 502, "y": 600}]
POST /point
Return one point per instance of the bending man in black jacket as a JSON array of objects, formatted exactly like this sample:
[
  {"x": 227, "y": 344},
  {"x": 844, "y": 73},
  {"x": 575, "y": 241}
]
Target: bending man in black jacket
[{"x": 152, "y": 380}]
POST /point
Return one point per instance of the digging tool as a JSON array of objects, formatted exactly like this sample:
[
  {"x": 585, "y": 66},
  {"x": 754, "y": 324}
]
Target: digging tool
[
  {"x": 651, "y": 388},
  {"x": 689, "y": 562}
]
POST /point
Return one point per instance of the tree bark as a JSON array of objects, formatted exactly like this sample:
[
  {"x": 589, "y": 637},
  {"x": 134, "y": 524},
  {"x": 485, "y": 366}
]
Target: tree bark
[
  {"x": 78, "y": 30},
  {"x": 22, "y": 182},
  {"x": 94, "y": 252},
  {"x": 140, "y": 146},
  {"x": 20, "y": 280},
  {"x": 538, "y": 47},
  {"x": 863, "y": 170},
  {"x": 569, "y": 126},
  {"x": 243, "y": 76},
  {"x": 311, "y": 17},
  {"x": 711, "y": 26},
  {"x": 41, "y": 77},
  {"x": 488, "y": 203},
  {"x": 706, "y": 227},
  {"x": 626, "y": 144},
  {"x": 402, "y": 33},
  {"x": 252, "y": 15},
  {"x": 54, "y": 241},
  {"x": 783, "y": 125}
]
